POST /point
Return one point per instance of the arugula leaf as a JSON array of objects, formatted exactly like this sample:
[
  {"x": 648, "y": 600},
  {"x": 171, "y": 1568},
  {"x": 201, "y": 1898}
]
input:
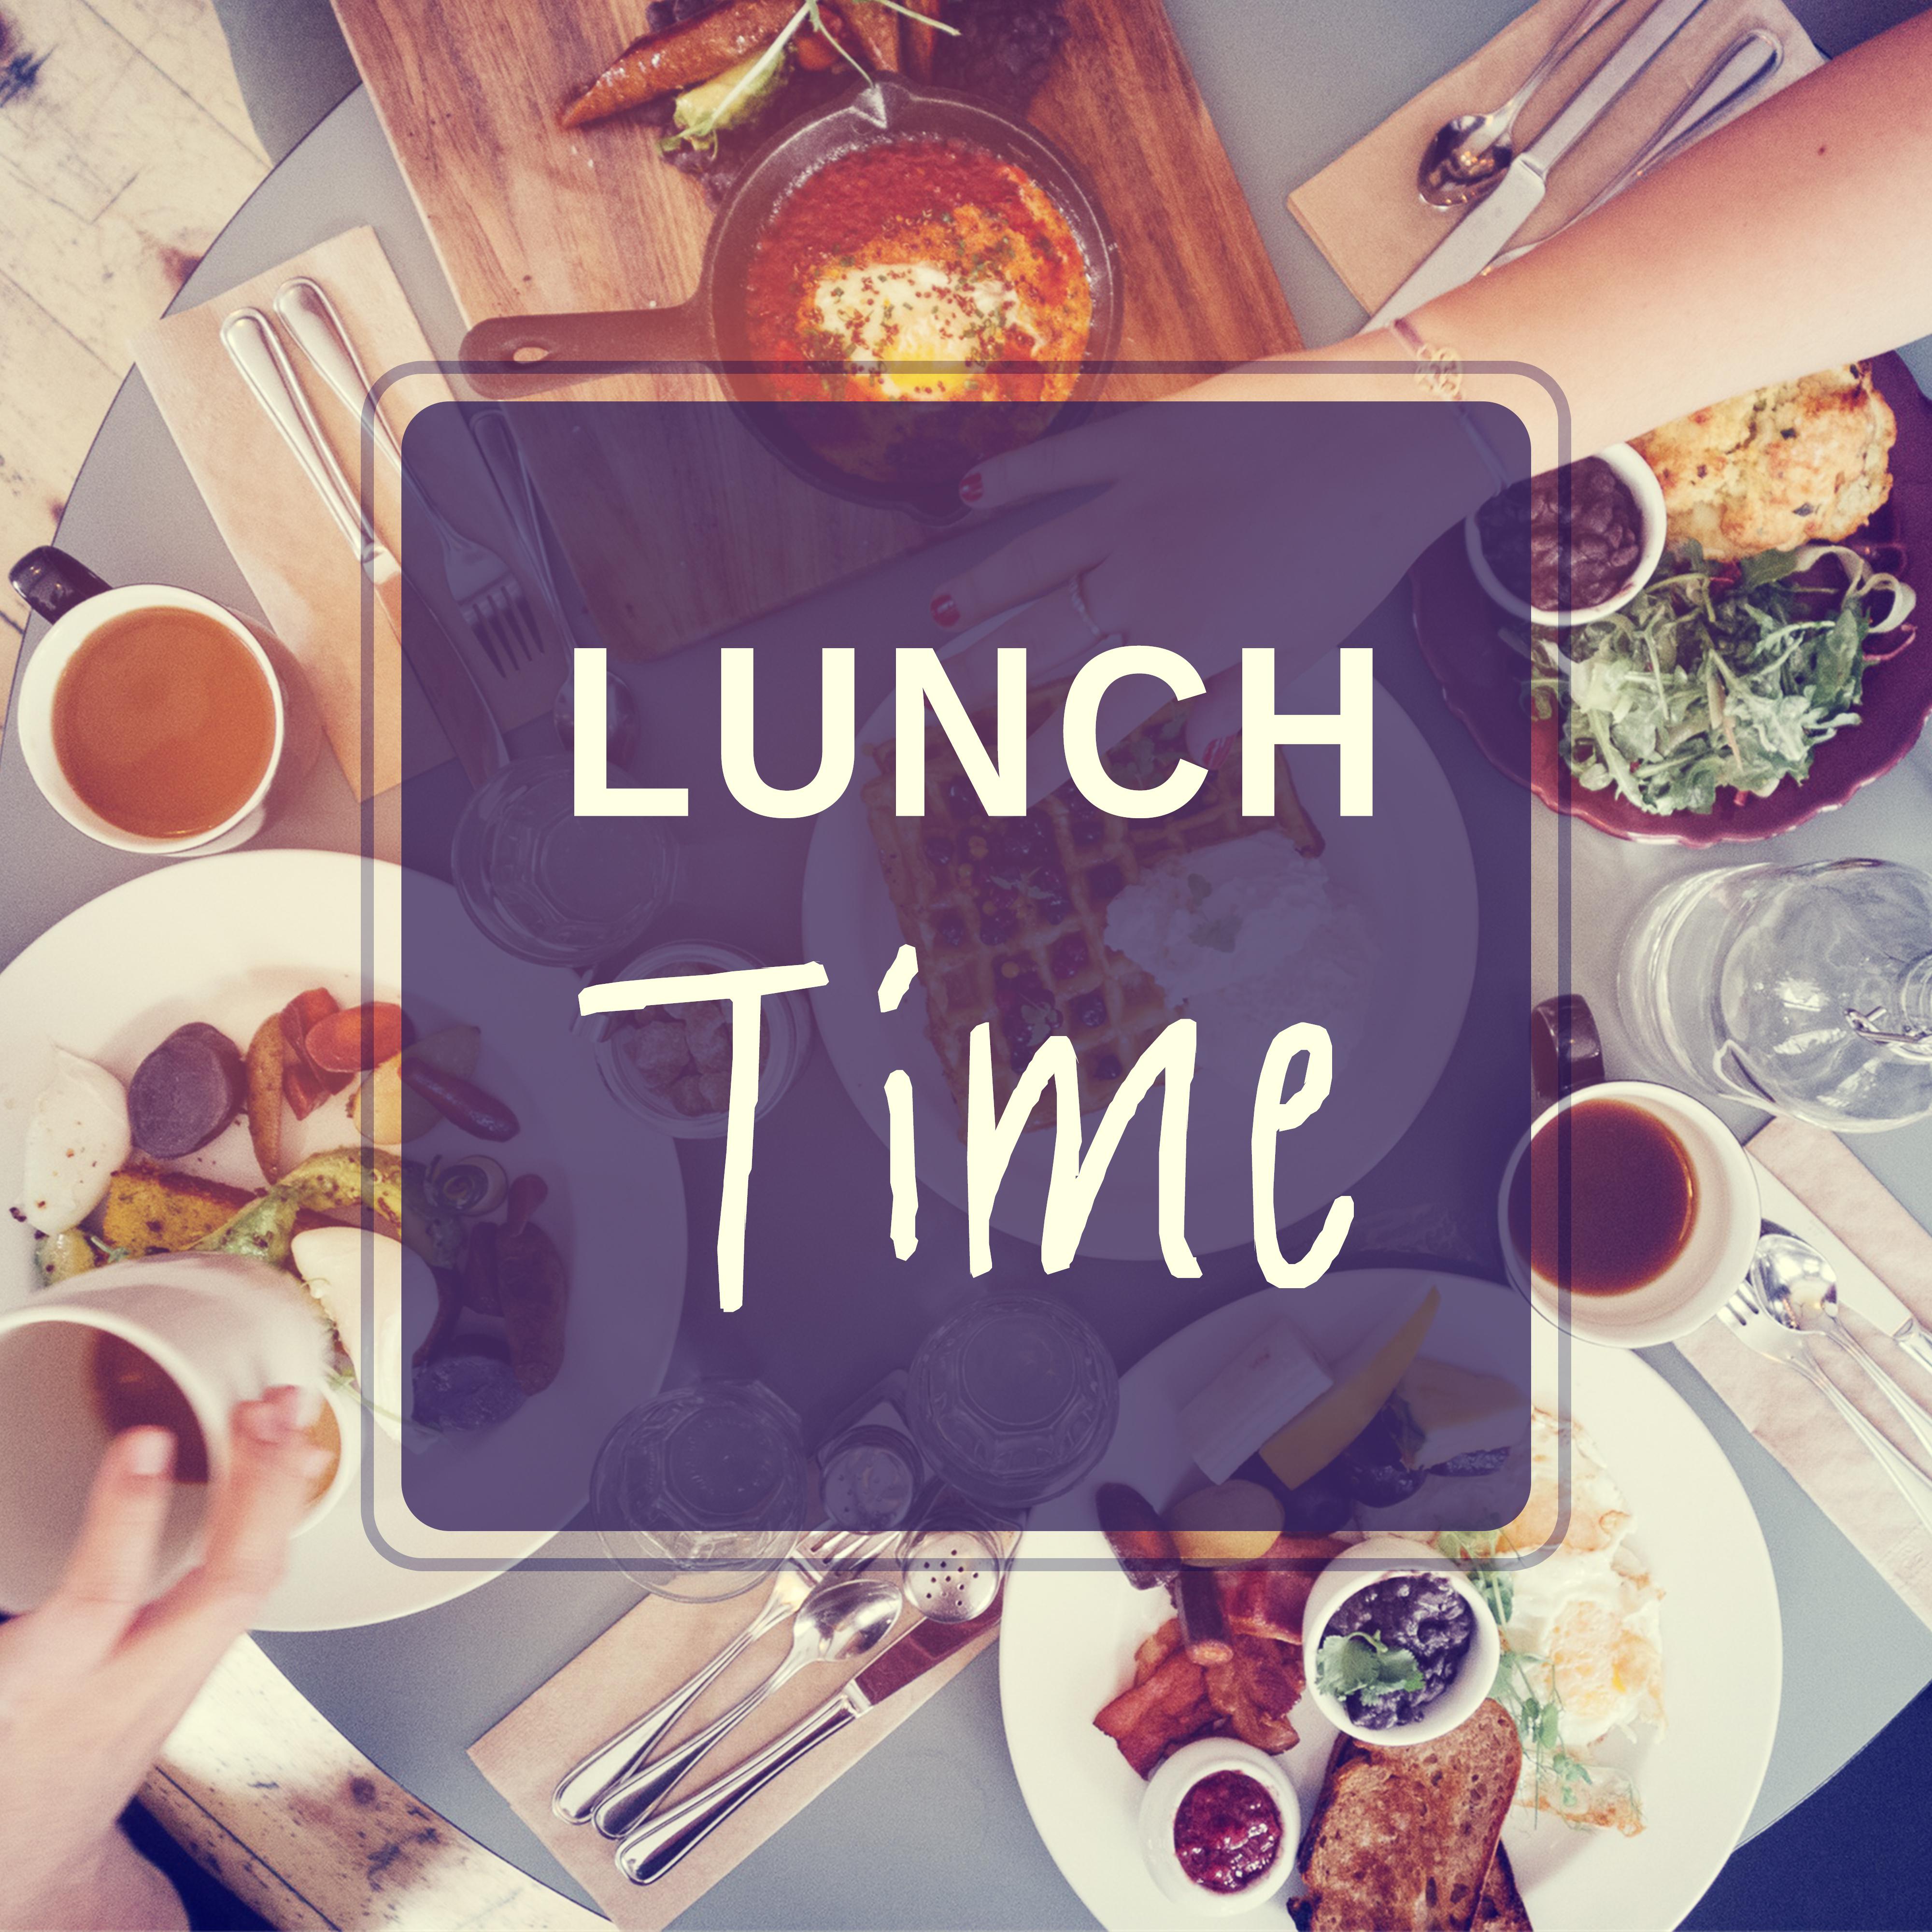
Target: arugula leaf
[
  {"x": 1711, "y": 678},
  {"x": 1362, "y": 1665}
]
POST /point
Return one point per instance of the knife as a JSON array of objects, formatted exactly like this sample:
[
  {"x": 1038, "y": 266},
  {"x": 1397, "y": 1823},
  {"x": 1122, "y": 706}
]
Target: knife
[
  {"x": 1481, "y": 234},
  {"x": 655, "y": 1847},
  {"x": 454, "y": 697},
  {"x": 1859, "y": 1289}
]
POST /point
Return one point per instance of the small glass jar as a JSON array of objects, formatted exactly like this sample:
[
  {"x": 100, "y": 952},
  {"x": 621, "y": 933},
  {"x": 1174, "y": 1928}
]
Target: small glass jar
[
  {"x": 869, "y": 1478},
  {"x": 701, "y": 1491},
  {"x": 548, "y": 886},
  {"x": 631, "y": 1073},
  {"x": 1013, "y": 1399}
]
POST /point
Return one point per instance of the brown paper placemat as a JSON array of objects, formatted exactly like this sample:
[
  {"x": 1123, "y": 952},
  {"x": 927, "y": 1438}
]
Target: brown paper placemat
[
  {"x": 639, "y": 1661},
  {"x": 297, "y": 562},
  {"x": 1363, "y": 212},
  {"x": 1796, "y": 1423}
]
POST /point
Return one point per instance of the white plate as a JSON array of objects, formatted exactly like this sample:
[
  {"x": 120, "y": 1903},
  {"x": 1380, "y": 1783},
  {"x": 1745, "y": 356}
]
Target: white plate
[
  {"x": 228, "y": 940},
  {"x": 1067, "y": 1639},
  {"x": 1417, "y": 891}
]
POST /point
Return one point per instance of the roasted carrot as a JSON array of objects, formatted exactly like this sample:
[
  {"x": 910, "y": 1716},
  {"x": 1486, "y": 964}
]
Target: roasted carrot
[
  {"x": 878, "y": 28},
  {"x": 687, "y": 56},
  {"x": 921, "y": 42}
]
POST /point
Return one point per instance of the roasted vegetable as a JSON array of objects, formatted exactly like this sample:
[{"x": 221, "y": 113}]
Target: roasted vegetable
[
  {"x": 354, "y": 1038},
  {"x": 878, "y": 28},
  {"x": 460, "y": 1100},
  {"x": 1139, "y": 1539},
  {"x": 266, "y": 1053},
  {"x": 474, "y": 1184},
  {"x": 435, "y": 1235},
  {"x": 465, "y": 1392},
  {"x": 390, "y": 1114},
  {"x": 304, "y": 1085},
  {"x": 528, "y": 1192},
  {"x": 479, "y": 1270},
  {"x": 687, "y": 56},
  {"x": 185, "y": 1092},
  {"x": 535, "y": 1293},
  {"x": 62, "y": 1256},
  {"x": 344, "y": 1182},
  {"x": 921, "y": 38}
]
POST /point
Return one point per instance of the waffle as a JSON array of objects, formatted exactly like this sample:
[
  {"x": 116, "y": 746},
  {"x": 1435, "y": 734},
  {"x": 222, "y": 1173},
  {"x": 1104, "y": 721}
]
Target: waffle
[{"x": 1009, "y": 916}]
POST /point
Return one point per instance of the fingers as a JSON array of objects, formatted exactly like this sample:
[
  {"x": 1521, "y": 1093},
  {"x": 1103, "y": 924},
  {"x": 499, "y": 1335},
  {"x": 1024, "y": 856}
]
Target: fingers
[
  {"x": 108, "y": 1576},
  {"x": 1070, "y": 462},
  {"x": 1214, "y": 720},
  {"x": 1040, "y": 560},
  {"x": 273, "y": 1466}
]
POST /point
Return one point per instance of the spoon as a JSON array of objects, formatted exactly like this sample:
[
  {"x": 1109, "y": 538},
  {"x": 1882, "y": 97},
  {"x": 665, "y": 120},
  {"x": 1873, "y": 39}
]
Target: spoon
[
  {"x": 1792, "y": 1280},
  {"x": 1468, "y": 154},
  {"x": 1764, "y": 1333},
  {"x": 832, "y": 1626}
]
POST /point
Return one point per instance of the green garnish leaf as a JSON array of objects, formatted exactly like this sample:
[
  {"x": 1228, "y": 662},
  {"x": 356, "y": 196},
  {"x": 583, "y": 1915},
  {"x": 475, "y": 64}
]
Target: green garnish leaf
[{"x": 1362, "y": 1665}]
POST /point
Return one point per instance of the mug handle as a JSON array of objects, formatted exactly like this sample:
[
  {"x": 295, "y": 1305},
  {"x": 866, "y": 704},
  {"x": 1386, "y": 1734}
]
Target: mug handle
[
  {"x": 1564, "y": 1051},
  {"x": 51, "y": 583}
]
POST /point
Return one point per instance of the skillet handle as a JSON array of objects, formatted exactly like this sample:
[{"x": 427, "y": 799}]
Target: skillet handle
[{"x": 533, "y": 353}]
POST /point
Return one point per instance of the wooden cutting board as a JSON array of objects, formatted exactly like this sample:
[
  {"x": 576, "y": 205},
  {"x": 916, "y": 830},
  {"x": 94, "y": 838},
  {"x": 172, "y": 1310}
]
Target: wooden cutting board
[{"x": 528, "y": 219}]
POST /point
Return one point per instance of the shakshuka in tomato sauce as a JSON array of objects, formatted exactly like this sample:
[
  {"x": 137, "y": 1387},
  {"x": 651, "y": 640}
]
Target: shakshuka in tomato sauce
[{"x": 908, "y": 253}]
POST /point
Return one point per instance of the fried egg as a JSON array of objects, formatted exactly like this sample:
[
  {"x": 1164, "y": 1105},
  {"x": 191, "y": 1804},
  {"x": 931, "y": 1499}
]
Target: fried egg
[
  {"x": 1584, "y": 1630},
  {"x": 77, "y": 1137}
]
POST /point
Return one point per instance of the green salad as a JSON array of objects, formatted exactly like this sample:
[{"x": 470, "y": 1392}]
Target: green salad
[{"x": 1713, "y": 676}]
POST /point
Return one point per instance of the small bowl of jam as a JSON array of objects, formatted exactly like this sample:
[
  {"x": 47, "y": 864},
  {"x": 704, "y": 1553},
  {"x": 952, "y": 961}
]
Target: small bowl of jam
[
  {"x": 1400, "y": 1647},
  {"x": 1220, "y": 1822},
  {"x": 1572, "y": 544}
]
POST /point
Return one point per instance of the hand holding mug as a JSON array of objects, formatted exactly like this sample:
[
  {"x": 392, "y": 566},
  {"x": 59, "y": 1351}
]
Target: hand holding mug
[{"x": 93, "y": 1680}]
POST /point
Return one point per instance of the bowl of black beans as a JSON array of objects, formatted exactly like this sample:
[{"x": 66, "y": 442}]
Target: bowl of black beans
[
  {"x": 1572, "y": 544},
  {"x": 1400, "y": 1647}
]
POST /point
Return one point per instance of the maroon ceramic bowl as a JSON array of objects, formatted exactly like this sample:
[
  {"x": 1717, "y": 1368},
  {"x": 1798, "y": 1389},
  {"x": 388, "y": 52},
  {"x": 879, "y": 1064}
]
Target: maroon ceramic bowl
[{"x": 1483, "y": 678}]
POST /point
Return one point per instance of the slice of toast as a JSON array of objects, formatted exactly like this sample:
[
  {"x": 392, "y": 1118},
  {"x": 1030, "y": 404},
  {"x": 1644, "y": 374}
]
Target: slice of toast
[
  {"x": 1403, "y": 1836},
  {"x": 1501, "y": 1909}
]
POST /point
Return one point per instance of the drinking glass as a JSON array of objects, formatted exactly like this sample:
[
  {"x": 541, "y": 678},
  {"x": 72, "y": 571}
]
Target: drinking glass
[
  {"x": 549, "y": 887},
  {"x": 1012, "y": 1400},
  {"x": 702, "y": 1491}
]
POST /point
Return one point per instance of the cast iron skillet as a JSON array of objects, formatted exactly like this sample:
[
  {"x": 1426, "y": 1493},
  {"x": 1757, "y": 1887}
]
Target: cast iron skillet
[{"x": 533, "y": 353}]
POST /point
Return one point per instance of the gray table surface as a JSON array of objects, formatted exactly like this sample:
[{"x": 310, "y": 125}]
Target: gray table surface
[{"x": 946, "y": 1840}]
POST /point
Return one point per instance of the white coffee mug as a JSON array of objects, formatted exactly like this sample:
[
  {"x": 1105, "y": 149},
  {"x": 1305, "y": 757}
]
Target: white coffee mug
[
  {"x": 225, "y": 1328},
  {"x": 298, "y": 729},
  {"x": 1714, "y": 1262}
]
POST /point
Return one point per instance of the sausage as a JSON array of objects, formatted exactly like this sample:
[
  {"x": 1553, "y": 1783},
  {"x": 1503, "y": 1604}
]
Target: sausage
[
  {"x": 921, "y": 42},
  {"x": 1139, "y": 1539},
  {"x": 1204, "y": 1622},
  {"x": 689, "y": 55},
  {"x": 461, "y": 1100}
]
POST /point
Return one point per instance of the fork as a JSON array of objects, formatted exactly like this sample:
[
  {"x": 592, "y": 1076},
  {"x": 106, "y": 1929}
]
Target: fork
[
  {"x": 585, "y": 1786},
  {"x": 1747, "y": 1317},
  {"x": 489, "y": 596}
]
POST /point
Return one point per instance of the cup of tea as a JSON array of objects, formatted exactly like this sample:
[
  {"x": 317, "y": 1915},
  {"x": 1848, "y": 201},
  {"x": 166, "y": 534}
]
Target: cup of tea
[
  {"x": 1628, "y": 1214},
  {"x": 172, "y": 1341},
  {"x": 154, "y": 719}
]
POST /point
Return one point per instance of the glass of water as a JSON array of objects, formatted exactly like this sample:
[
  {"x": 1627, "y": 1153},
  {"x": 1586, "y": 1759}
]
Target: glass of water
[
  {"x": 549, "y": 887},
  {"x": 1012, "y": 1400},
  {"x": 702, "y": 1491}
]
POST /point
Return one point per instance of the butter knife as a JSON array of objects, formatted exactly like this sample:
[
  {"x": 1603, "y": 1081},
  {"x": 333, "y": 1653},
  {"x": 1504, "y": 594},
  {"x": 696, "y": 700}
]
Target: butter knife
[
  {"x": 454, "y": 695},
  {"x": 1483, "y": 233},
  {"x": 655, "y": 1847}
]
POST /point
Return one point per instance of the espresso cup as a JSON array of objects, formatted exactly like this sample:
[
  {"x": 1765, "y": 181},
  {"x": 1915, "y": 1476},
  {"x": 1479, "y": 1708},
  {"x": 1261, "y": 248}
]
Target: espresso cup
[
  {"x": 223, "y": 1328},
  {"x": 78, "y": 605},
  {"x": 1707, "y": 1269}
]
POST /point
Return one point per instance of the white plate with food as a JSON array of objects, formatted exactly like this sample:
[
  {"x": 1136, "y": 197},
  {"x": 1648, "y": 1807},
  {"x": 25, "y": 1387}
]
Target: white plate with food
[
  {"x": 227, "y": 944},
  {"x": 1692, "y": 1598},
  {"x": 1244, "y": 926}
]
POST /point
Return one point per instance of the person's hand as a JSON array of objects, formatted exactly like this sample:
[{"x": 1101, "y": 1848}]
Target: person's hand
[
  {"x": 1235, "y": 516},
  {"x": 92, "y": 1682}
]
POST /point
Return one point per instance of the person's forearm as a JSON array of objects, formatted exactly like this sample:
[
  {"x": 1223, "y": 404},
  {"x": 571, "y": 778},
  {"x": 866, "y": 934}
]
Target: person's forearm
[{"x": 1798, "y": 237}]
